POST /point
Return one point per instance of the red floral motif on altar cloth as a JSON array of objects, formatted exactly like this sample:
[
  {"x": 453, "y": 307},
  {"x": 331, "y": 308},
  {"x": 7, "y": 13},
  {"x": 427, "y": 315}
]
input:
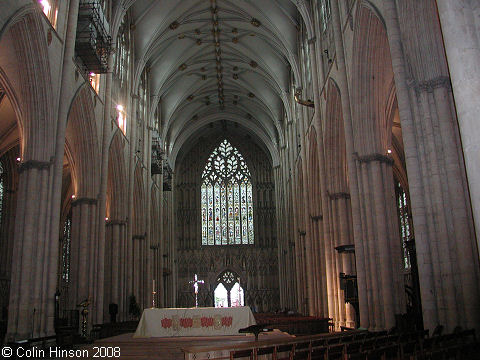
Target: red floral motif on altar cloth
[
  {"x": 227, "y": 321},
  {"x": 186, "y": 322},
  {"x": 166, "y": 323},
  {"x": 206, "y": 321}
]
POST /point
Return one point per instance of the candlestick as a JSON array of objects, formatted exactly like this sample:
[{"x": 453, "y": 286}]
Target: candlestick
[{"x": 153, "y": 294}]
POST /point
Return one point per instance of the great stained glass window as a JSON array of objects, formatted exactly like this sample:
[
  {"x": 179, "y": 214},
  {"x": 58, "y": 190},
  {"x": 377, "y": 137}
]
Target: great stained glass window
[{"x": 227, "y": 205}]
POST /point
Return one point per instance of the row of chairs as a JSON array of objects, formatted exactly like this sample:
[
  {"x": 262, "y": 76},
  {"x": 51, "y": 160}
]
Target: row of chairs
[{"x": 371, "y": 346}]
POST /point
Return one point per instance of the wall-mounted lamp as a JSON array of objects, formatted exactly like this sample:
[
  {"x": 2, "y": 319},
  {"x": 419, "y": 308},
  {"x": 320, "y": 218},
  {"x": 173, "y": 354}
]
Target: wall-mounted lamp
[{"x": 308, "y": 103}]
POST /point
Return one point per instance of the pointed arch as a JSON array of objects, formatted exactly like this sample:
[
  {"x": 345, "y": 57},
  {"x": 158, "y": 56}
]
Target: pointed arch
[
  {"x": 117, "y": 179},
  {"x": 372, "y": 80},
  {"x": 28, "y": 83},
  {"x": 82, "y": 141},
  {"x": 335, "y": 152},
  {"x": 139, "y": 220},
  {"x": 313, "y": 174}
]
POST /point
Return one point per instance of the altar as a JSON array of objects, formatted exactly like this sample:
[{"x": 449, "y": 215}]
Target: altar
[{"x": 202, "y": 321}]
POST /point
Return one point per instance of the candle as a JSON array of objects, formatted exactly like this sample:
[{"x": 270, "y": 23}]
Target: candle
[{"x": 154, "y": 285}]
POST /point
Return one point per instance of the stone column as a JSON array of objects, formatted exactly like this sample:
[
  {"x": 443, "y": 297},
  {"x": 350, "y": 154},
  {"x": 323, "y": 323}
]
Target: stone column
[
  {"x": 102, "y": 314},
  {"x": 131, "y": 186},
  {"x": 115, "y": 271},
  {"x": 67, "y": 79},
  {"x": 446, "y": 249},
  {"x": 307, "y": 236},
  {"x": 139, "y": 267},
  {"x": 28, "y": 313},
  {"x": 352, "y": 171},
  {"x": 161, "y": 241},
  {"x": 321, "y": 221},
  {"x": 83, "y": 284},
  {"x": 345, "y": 238},
  {"x": 281, "y": 251},
  {"x": 461, "y": 37}
]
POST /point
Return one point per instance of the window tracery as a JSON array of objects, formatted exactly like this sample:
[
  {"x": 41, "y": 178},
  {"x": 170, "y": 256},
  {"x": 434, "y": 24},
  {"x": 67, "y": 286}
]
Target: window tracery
[
  {"x": 122, "y": 55},
  {"x": 228, "y": 291},
  {"x": 227, "y": 200}
]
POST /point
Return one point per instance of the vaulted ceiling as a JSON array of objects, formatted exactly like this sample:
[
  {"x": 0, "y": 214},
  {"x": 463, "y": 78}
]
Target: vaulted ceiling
[{"x": 213, "y": 60}]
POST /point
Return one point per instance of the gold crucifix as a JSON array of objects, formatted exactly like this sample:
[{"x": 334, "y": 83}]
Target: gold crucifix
[{"x": 195, "y": 283}]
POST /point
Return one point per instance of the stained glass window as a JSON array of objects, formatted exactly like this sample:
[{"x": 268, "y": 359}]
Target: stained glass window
[
  {"x": 404, "y": 223},
  {"x": 122, "y": 55},
  {"x": 67, "y": 234},
  {"x": 228, "y": 292},
  {"x": 227, "y": 205}
]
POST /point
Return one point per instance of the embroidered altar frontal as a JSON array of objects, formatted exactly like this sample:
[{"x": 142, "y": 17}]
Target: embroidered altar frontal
[{"x": 205, "y": 321}]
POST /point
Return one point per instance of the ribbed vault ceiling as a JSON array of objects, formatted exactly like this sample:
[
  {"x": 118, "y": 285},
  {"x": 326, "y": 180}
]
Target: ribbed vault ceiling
[{"x": 210, "y": 60}]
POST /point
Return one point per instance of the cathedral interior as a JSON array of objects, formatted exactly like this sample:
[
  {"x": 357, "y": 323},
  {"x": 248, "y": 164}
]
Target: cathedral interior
[{"x": 313, "y": 156}]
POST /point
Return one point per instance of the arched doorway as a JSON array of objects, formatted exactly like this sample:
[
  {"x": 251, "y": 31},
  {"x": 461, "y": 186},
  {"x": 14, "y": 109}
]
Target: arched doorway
[{"x": 228, "y": 291}]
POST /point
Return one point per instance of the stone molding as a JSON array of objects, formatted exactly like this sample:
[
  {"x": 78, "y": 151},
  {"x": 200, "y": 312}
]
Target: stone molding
[
  {"x": 34, "y": 164},
  {"x": 432, "y": 84},
  {"x": 338, "y": 195},
  {"x": 115, "y": 222},
  {"x": 84, "y": 200},
  {"x": 374, "y": 157}
]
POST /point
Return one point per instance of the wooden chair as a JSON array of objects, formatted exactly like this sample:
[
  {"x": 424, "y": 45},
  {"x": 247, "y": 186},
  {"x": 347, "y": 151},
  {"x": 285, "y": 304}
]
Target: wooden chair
[
  {"x": 346, "y": 339},
  {"x": 302, "y": 350},
  {"x": 336, "y": 352},
  {"x": 354, "y": 347},
  {"x": 408, "y": 349},
  {"x": 319, "y": 343},
  {"x": 391, "y": 351},
  {"x": 266, "y": 351},
  {"x": 319, "y": 353},
  {"x": 284, "y": 352},
  {"x": 368, "y": 344},
  {"x": 357, "y": 356}
]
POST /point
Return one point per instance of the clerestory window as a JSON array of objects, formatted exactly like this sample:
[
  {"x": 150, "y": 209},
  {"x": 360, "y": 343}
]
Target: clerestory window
[{"x": 226, "y": 196}]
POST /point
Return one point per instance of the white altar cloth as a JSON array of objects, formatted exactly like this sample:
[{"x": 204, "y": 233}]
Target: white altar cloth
[{"x": 206, "y": 321}]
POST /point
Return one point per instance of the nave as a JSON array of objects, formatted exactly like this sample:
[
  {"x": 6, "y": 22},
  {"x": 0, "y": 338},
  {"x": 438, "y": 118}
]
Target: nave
[{"x": 308, "y": 157}]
